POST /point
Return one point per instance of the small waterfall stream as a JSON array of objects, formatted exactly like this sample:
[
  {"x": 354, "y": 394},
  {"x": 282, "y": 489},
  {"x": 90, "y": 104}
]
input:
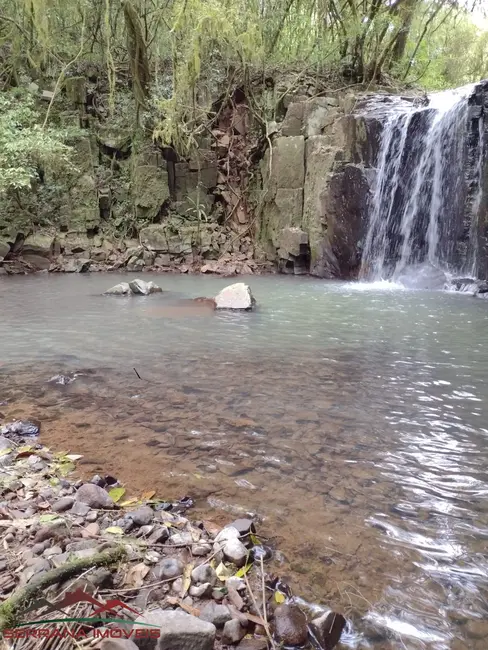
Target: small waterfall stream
[{"x": 422, "y": 188}]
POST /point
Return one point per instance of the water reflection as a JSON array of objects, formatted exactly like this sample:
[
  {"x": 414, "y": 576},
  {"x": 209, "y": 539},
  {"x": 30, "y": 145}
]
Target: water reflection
[{"x": 349, "y": 420}]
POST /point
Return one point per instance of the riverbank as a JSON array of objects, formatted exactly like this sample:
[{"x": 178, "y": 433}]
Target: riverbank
[{"x": 202, "y": 585}]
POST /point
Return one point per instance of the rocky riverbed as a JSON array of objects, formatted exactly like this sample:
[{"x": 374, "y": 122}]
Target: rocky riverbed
[{"x": 73, "y": 549}]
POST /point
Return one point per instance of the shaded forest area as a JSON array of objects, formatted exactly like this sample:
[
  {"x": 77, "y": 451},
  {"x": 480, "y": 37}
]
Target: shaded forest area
[{"x": 167, "y": 71}]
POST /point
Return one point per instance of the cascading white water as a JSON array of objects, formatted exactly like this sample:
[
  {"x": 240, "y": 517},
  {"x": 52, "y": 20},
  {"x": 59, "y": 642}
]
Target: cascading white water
[{"x": 420, "y": 190}]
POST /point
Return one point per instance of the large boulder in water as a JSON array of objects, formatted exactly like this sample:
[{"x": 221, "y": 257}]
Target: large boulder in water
[
  {"x": 144, "y": 288},
  {"x": 121, "y": 289},
  {"x": 235, "y": 296}
]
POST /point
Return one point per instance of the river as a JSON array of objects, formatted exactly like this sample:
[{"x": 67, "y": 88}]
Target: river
[{"x": 351, "y": 418}]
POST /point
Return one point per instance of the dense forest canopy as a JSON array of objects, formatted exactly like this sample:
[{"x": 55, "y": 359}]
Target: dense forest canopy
[{"x": 164, "y": 61}]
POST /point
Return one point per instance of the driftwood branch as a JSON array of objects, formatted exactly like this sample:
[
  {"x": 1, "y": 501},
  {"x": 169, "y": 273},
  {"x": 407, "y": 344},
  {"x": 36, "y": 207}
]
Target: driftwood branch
[{"x": 11, "y": 609}]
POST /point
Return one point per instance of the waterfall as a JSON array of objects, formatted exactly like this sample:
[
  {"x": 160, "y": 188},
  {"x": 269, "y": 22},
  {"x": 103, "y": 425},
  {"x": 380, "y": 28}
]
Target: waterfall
[{"x": 420, "y": 193}]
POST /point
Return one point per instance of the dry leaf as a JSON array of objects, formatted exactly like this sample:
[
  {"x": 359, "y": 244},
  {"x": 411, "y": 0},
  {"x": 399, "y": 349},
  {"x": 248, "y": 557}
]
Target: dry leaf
[
  {"x": 242, "y": 571},
  {"x": 135, "y": 575},
  {"x": 186, "y": 579},
  {"x": 129, "y": 502},
  {"x": 148, "y": 495},
  {"x": 223, "y": 572},
  {"x": 116, "y": 493},
  {"x": 279, "y": 597},
  {"x": 114, "y": 530},
  {"x": 74, "y": 457},
  {"x": 234, "y": 597}
]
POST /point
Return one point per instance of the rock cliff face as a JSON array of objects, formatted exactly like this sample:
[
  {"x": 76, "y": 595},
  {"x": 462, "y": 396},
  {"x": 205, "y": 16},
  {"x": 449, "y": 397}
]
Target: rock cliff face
[
  {"x": 301, "y": 207},
  {"x": 317, "y": 180}
]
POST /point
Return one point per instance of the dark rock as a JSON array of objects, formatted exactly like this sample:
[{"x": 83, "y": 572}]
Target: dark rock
[
  {"x": 159, "y": 535},
  {"x": 178, "y": 631},
  {"x": 94, "y": 496},
  {"x": 77, "y": 265},
  {"x": 216, "y": 614},
  {"x": 233, "y": 632},
  {"x": 63, "y": 504},
  {"x": 142, "y": 516},
  {"x": 290, "y": 625},
  {"x": 244, "y": 526},
  {"x": 327, "y": 629}
]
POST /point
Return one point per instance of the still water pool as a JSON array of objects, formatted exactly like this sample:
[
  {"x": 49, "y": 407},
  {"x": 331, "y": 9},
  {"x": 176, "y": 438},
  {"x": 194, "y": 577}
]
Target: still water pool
[{"x": 351, "y": 418}]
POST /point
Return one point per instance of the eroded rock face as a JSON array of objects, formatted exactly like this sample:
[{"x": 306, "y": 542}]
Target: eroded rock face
[{"x": 236, "y": 296}]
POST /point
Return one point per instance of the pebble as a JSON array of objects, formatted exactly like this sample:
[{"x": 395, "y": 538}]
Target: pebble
[
  {"x": 200, "y": 550},
  {"x": 290, "y": 625},
  {"x": 253, "y": 644},
  {"x": 181, "y": 539},
  {"x": 233, "y": 632},
  {"x": 227, "y": 533},
  {"x": 168, "y": 568},
  {"x": 204, "y": 573},
  {"x": 91, "y": 530},
  {"x": 218, "y": 595},
  {"x": 177, "y": 586},
  {"x": 237, "y": 583},
  {"x": 216, "y": 614},
  {"x": 39, "y": 548},
  {"x": 142, "y": 516},
  {"x": 80, "y": 509},
  {"x": 202, "y": 591},
  {"x": 152, "y": 557},
  {"x": 91, "y": 516},
  {"x": 94, "y": 496}
]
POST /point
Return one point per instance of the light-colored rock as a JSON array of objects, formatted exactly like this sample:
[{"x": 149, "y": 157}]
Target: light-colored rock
[
  {"x": 235, "y": 551},
  {"x": 181, "y": 539},
  {"x": 178, "y": 630},
  {"x": 235, "y": 296},
  {"x": 204, "y": 573},
  {"x": 80, "y": 509},
  {"x": 216, "y": 614},
  {"x": 201, "y": 591},
  {"x": 5, "y": 443},
  {"x": 38, "y": 244},
  {"x": 121, "y": 289},
  {"x": 293, "y": 241},
  {"x": 94, "y": 496},
  {"x": 199, "y": 550},
  {"x": 233, "y": 632},
  {"x": 139, "y": 287}
]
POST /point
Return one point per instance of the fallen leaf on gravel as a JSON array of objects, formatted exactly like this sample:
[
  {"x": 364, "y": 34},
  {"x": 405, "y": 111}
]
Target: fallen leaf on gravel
[
  {"x": 148, "y": 495},
  {"x": 279, "y": 597},
  {"x": 172, "y": 600},
  {"x": 74, "y": 456},
  {"x": 223, "y": 572},
  {"x": 135, "y": 575},
  {"x": 116, "y": 493},
  {"x": 129, "y": 502},
  {"x": 186, "y": 580},
  {"x": 114, "y": 530},
  {"x": 242, "y": 571},
  {"x": 43, "y": 519}
]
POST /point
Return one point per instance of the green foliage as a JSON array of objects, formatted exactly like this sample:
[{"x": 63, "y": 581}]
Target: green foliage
[{"x": 25, "y": 147}]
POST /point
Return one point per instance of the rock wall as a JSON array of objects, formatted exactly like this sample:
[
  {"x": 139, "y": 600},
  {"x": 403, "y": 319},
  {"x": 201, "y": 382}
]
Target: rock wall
[{"x": 316, "y": 181}]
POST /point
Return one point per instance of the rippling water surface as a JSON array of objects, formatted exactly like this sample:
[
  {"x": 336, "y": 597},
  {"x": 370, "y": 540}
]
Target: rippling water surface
[{"x": 352, "y": 419}]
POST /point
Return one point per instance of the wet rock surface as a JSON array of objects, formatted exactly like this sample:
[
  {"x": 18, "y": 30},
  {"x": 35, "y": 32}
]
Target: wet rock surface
[
  {"x": 236, "y": 296},
  {"x": 290, "y": 625}
]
